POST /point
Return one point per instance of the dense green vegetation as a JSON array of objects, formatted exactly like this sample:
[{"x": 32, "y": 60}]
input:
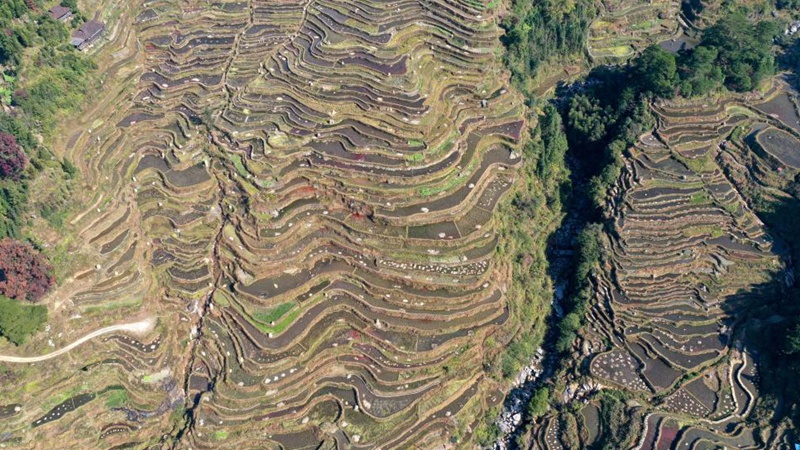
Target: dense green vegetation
[
  {"x": 44, "y": 73},
  {"x": 539, "y": 402},
  {"x": 789, "y": 57},
  {"x": 551, "y": 146},
  {"x": 488, "y": 431},
  {"x": 700, "y": 12},
  {"x": 534, "y": 212},
  {"x": 538, "y": 32},
  {"x": 19, "y": 320},
  {"x": 617, "y": 422},
  {"x": 733, "y": 53},
  {"x": 744, "y": 50},
  {"x": 655, "y": 71},
  {"x": 43, "y": 77},
  {"x": 588, "y": 255},
  {"x": 597, "y": 121},
  {"x": 602, "y": 119},
  {"x": 13, "y": 162}
]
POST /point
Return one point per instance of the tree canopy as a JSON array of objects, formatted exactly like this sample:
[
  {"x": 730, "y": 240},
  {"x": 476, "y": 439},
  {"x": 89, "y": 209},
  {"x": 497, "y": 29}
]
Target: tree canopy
[
  {"x": 655, "y": 71},
  {"x": 743, "y": 51},
  {"x": 733, "y": 53},
  {"x": 539, "y": 402},
  {"x": 699, "y": 72},
  {"x": 792, "y": 346},
  {"x": 539, "y": 31},
  {"x": 24, "y": 272},
  {"x": 12, "y": 158}
]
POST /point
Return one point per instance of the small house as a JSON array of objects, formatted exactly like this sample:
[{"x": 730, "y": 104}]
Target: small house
[
  {"x": 60, "y": 13},
  {"x": 87, "y": 34}
]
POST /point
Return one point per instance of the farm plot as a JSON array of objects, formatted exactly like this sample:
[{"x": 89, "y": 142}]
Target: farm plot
[
  {"x": 624, "y": 27},
  {"x": 781, "y": 145}
]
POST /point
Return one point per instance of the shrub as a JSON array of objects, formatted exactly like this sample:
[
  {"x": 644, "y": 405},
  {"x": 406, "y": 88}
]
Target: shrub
[
  {"x": 12, "y": 158},
  {"x": 18, "y": 320},
  {"x": 792, "y": 345},
  {"x": 24, "y": 273},
  {"x": 13, "y": 197},
  {"x": 16, "y": 128}
]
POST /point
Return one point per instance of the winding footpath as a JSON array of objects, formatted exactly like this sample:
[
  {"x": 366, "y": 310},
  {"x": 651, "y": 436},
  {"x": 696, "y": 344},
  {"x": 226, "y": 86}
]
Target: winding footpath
[{"x": 140, "y": 327}]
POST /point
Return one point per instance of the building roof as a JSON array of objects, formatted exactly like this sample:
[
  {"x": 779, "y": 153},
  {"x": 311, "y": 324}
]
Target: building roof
[
  {"x": 91, "y": 28},
  {"x": 87, "y": 32},
  {"x": 58, "y": 12}
]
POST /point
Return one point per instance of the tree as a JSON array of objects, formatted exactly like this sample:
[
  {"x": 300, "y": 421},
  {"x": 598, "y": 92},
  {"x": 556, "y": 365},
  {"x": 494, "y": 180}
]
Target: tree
[
  {"x": 539, "y": 31},
  {"x": 744, "y": 50},
  {"x": 12, "y": 9},
  {"x": 565, "y": 340},
  {"x": 13, "y": 198},
  {"x": 52, "y": 31},
  {"x": 71, "y": 4},
  {"x": 12, "y": 158},
  {"x": 24, "y": 272},
  {"x": 554, "y": 142},
  {"x": 656, "y": 72},
  {"x": 792, "y": 345},
  {"x": 587, "y": 120},
  {"x": 700, "y": 75},
  {"x": 10, "y": 47},
  {"x": 16, "y": 128},
  {"x": 539, "y": 402},
  {"x": 18, "y": 321}
]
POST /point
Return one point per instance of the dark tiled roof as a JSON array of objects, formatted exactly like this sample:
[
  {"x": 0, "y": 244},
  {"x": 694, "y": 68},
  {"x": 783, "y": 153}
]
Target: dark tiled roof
[
  {"x": 88, "y": 31},
  {"x": 58, "y": 12},
  {"x": 92, "y": 28}
]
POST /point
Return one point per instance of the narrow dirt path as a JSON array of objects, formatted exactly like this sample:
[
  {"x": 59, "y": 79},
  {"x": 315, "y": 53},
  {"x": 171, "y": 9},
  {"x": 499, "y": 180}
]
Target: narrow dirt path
[{"x": 140, "y": 327}]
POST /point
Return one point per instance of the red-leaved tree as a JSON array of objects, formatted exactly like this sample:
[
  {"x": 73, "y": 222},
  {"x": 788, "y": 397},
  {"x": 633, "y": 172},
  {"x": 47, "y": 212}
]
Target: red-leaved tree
[
  {"x": 12, "y": 158},
  {"x": 25, "y": 274}
]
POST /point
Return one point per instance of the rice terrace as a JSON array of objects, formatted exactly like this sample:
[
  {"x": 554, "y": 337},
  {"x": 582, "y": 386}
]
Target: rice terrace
[{"x": 399, "y": 224}]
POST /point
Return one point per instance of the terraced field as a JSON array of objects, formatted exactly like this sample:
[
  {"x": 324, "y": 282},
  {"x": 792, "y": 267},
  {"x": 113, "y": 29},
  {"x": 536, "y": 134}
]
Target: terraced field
[
  {"x": 686, "y": 256},
  {"x": 301, "y": 195},
  {"x": 625, "y": 27}
]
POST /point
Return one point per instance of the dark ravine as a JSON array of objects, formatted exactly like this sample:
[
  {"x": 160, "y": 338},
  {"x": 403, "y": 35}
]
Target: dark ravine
[{"x": 515, "y": 418}]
